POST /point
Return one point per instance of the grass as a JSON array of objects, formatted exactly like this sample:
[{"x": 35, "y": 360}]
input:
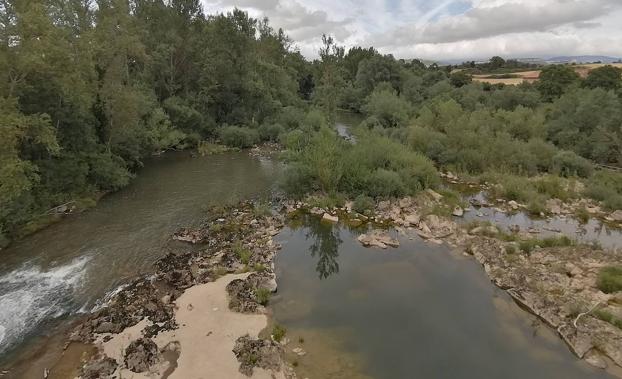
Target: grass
[
  {"x": 608, "y": 317},
  {"x": 258, "y": 267},
  {"x": 210, "y": 148},
  {"x": 610, "y": 279},
  {"x": 582, "y": 215},
  {"x": 262, "y": 209},
  {"x": 529, "y": 245},
  {"x": 278, "y": 332},
  {"x": 262, "y": 295},
  {"x": 243, "y": 253}
]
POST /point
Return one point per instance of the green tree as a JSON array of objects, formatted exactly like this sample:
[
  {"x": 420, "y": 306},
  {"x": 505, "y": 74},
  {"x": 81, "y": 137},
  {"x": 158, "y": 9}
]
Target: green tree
[
  {"x": 606, "y": 77},
  {"x": 555, "y": 80}
]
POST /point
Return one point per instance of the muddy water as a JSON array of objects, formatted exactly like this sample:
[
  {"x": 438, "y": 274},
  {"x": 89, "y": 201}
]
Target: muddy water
[
  {"x": 66, "y": 268},
  {"x": 415, "y": 311}
]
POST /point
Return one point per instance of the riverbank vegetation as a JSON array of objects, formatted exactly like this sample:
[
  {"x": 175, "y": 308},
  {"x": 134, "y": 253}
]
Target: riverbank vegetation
[{"x": 90, "y": 89}]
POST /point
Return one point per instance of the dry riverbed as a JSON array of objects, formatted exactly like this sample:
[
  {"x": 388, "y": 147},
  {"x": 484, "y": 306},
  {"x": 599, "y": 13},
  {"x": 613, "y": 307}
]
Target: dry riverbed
[
  {"x": 557, "y": 283},
  {"x": 200, "y": 314}
]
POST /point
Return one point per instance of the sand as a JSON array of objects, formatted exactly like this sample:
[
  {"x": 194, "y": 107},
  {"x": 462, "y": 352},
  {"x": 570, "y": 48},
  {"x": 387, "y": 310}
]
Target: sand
[{"x": 205, "y": 338}]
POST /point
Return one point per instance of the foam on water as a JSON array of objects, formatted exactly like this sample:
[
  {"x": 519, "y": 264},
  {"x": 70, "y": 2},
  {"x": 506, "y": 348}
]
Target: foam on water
[{"x": 30, "y": 295}]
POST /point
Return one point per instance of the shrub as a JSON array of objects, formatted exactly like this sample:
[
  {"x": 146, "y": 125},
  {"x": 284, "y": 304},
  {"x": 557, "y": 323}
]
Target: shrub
[
  {"x": 240, "y": 137},
  {"x": 609, "y": 317},
  {"x": 297, "y": 179},
  {"x": 529, "y": 245},
  {"x": 363, "y": 203},
  {"x": 278, "y": 332},
  {"x": 610, "y": 279},
  {"x": 567, "y": 163},
  {"x": 262, "y": 295},
  {"x": 270, "y": 132},
  {"x": 385, "y": 183},
  {"x": 243, "y": 253},
  {"x": 606, "y": 186}
]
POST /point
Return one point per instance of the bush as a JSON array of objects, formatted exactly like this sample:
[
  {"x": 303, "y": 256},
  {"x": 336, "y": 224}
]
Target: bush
[
  {"x": 270, "y": 132},
  {"x": 606, "y": 186},
  {"x": 610, "y": 279},
  {"x": 297, "y": 179},
  {"x": 240, "y": 137},
  {"x": 278, "y": 332},
  {"x": 567, "y": 163},
  {"x": 363, "y": 203},
  {"x": 262, "y": 295},
  {"x": 384, "y": 183},
  {"x": 529, "y": 245}
]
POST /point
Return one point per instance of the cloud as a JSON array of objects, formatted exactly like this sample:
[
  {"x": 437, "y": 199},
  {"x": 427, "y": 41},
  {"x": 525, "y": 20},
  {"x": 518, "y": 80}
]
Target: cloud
[{"x": 447, "y": 29}]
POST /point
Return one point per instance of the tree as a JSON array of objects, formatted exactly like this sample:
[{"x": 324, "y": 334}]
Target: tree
[
  {"x": 555, "y": 80},
  {"x": 331, "y": 76},
  {"x": 496, "y": 62},
  {"x": 460, "y": 78},
  {"x": 606, "y": 77}
]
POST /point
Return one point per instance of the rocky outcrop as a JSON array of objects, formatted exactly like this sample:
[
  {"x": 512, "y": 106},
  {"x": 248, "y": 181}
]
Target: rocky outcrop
[
  {"x": 140, "y": 355},
  {"x": 252, "y": 353},
  {"x": 378, "y": 238}
]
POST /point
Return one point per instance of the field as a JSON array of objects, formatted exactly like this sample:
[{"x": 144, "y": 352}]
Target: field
[{"x": 532, "y": 76}]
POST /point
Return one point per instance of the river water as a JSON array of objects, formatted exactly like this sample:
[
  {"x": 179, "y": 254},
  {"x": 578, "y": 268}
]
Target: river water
[
  {"x": 66, "y": 268},
  {"x": 416, "y": 311}
]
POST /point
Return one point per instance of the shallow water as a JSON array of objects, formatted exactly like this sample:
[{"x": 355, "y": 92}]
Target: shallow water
[
  {"x": 593, "y": 231},
  {"x": 415, "y": 311},
  {"x": 66, "y": 268}
]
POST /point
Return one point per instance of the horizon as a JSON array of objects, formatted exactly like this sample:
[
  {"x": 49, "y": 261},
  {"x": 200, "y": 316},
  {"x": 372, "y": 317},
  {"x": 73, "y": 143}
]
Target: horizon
[{"x": 441, "y": 30}]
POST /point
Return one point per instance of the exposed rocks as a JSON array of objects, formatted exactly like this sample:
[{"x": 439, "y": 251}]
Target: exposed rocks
[
  {"x": 260, "y": 353},
  {"x": 140, "y": 355},
  {"x": 231, "y": 239},
  {"x": 458, "y": 212},
  {"x": 327, "y": 217},
  {"x": 378, "y": 238},
  {"x": 98, "y": 367},
  {"x": 435, "y": 195},
  {"x": 616, "y": 216}
]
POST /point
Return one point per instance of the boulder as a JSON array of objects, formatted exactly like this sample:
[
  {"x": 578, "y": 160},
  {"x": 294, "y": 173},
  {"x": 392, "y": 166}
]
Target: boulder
[
  {"x": 434, "y": 195},
  {"x": 330, "y": 218},
  {"x": 378, "y": 238},
  {"x": 617, "y": 216},
  {"x": 554, "y": 206},
  {"x": 141, "y": 354},
  {"x": 458, "y": 212}
]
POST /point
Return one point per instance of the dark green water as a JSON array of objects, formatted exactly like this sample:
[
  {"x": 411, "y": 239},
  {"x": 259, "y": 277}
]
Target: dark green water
[{"x": 413, "y": 312}]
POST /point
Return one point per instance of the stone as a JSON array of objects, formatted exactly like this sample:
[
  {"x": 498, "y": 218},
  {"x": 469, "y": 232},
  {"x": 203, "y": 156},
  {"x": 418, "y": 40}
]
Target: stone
[
  {"x": 330, "y": 218},
  {"x": 378, "y": 239},
  {"x": 166, "y": 299},
  {"x": 299, "y": 351},
  {"x": 554, "y": 206},
  {"x": 595, "y": 359},
  {"x": 412, "y": 219},
  {"x": 458, "y": 212},
  {"x": 435, "y": 195},
  {"x": 617, "y": 215},
  {"x": 484, "y": 230},
  {"x": 141, "y": 354},
  {"x": 513, "y": 204}
]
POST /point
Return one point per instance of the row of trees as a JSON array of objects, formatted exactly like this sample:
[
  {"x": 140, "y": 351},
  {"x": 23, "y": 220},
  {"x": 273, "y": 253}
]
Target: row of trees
[{"x": 88, "y": 88}]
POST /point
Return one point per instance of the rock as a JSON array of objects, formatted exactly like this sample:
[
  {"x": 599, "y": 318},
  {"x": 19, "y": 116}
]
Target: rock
[
  {"x": 435, "y": 195},
  {"x": 554, "y": 206},
  {"x": 166, "y": 299},
  {"x": 299, "y": 351},
  {"x": 100, "y": 367},
  {"x": 330, "y": 218},
  {"x": 412, "y": 219},
  {"x": 513, "y": 204},
  {"x": 595, "y": 359},
  {"x": 378, "y": 239},
  {"x": 260, "y": 353},
  {"x": 458, "y": 212},
  {"x": 140, "y": 355},
  {"x": 514, "y": 228},
  {"x": 616, "y": 216}
]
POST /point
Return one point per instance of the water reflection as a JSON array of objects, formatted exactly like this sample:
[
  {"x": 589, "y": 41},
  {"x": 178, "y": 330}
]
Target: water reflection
[{"x": 324, "y": 246}]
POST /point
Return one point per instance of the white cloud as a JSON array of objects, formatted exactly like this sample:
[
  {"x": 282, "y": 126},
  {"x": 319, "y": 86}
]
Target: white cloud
[{"x": 431, "y": 29}]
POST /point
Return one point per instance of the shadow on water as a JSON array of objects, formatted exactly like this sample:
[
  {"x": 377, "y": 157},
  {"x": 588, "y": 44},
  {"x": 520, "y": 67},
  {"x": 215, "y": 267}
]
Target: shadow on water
[{"x": 415, "y": 311}]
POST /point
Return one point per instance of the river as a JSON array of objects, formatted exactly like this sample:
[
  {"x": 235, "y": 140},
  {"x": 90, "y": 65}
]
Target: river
[
  {"x": 48, "y": 278},
  {"x": 415, "y": 311}
]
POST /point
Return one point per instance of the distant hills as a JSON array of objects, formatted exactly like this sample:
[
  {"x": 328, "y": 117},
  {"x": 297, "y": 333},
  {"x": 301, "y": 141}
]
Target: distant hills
[{"x": 580, "y": 59}]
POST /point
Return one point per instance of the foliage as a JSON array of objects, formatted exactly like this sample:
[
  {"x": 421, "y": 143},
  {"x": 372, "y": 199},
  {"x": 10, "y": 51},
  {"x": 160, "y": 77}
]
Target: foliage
[
  {"x": 460, "y": 79},
  {"x": 240, "y": 137},
  {"x": 555, "y": 80},
  {"x": 610, "y": 279},
  {"x": 528, "y": 246},
  {"x": 607, "y": 77},
  {"x": 363, "y": 204},
  {"x": 262, "y": 295},
  {"x": 278, "y": 332},
  {"x": 606, "y": 186}
]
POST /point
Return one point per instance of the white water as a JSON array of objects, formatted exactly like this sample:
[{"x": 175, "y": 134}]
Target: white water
[{"x": 30, "y": 295}]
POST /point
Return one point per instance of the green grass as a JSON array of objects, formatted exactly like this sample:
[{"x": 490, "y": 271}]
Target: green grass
[
  {"x": 610, "y": 279},
  {"x": 529, "y": 245},
  {"x": 582, "y": 215},
  {"x": 608, "y": 317},
  {"x": 278, "y": 332},
  {"x": 242, "y": 252},
  {"x": 258, "y": 267},
  {"x": 262, "y": 295}
]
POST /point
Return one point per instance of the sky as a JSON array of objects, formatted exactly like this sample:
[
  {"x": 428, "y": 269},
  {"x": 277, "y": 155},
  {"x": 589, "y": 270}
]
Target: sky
[{"x": 446, "y": 29}]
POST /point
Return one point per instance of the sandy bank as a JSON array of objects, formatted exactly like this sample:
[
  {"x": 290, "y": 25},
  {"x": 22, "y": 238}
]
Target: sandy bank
[{"x": 204, "y": 341}]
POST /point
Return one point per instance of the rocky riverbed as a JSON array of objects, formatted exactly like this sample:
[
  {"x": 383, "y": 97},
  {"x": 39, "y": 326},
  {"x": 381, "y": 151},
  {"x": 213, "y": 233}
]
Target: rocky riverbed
[
  {"x": 556, "y": 283},
  {"x": 200, "y": 312}
]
